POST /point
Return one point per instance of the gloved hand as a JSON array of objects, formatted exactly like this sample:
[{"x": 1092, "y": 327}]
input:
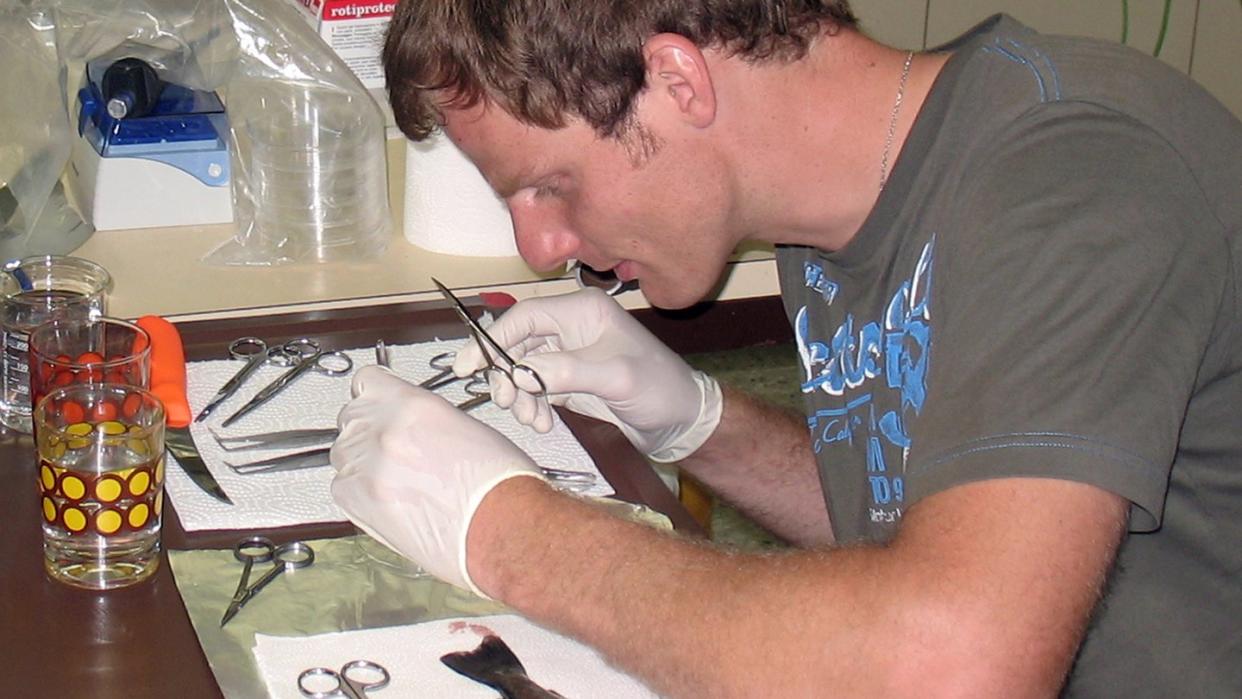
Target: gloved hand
[
  {"x": 412, "y": 469},
  {"x": 597, "y": 360}
]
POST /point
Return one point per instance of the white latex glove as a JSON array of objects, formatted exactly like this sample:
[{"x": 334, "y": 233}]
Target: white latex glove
[
  {"x": 412, "y": 469},
  {"x": 597, "y": 360}
]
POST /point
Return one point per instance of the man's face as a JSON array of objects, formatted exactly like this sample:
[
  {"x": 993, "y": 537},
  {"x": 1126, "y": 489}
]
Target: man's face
[{"x": 662, "y": 219}]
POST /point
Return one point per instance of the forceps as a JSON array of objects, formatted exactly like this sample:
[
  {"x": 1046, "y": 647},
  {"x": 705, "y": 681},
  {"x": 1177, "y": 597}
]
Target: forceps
[
  {"x": 484, "y": 340},
  {"x": 305, "y": 355},
  {"x": 319, "y": 458},
  {"x": 351, "y": 686},
  {"x": 254, "y": 352},
  {"x": 476, "y": 385},
  {"x": 260, "y": 549}
]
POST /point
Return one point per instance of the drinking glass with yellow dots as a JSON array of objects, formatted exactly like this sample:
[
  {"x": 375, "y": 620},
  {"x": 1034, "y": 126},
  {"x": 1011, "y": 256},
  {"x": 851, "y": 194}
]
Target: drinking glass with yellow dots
[{"x": 101, "y": 483}]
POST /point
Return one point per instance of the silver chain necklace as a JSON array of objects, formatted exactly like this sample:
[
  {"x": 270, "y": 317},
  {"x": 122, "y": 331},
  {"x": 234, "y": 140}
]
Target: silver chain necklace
[{"x": 892, "y": 121}]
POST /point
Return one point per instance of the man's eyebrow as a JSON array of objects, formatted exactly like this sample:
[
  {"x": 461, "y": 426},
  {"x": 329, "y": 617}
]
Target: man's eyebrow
[{"x": 508, "y": 184}]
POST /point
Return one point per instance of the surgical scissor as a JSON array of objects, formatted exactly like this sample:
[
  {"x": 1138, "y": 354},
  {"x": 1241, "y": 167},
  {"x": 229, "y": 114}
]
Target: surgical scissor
[
  {"x": 476, "y": 384},
  {"x": 260, "y": 549},
  {"x": 306, "y": 355},
  {"x": 491, "y": 349},
  {"x": 254, "y": 352},
  {"x": 352, "y": 680}
]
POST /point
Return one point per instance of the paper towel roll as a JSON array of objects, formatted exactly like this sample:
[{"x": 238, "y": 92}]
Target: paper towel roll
[{"x": 449, "y": 207}]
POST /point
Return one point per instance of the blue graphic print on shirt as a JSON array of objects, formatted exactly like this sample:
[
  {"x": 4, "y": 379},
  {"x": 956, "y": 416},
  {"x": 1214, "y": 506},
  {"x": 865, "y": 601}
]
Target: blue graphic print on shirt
[
  {"x": 816, "y": 280},
  {"x": 878, "y": 370}
]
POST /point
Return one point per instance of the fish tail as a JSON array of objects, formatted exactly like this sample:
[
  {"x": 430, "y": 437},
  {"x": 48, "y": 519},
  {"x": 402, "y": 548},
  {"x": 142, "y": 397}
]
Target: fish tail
[
  {"x": 492, "y": 657},
  {"x": 494, "y": 664}
]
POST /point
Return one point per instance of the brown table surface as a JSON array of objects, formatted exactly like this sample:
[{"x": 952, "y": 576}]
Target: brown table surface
[{"x": 61, "y": 641}]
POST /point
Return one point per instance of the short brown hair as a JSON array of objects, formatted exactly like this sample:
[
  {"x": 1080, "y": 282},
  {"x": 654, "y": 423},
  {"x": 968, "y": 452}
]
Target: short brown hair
[{"x": 544, "y": 60}]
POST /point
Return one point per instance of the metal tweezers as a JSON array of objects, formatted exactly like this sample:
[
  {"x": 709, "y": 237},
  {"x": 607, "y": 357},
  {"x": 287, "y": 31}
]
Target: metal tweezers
[
  {"x": 285, "y": 439},
  {"x": 318, "y": 458}
]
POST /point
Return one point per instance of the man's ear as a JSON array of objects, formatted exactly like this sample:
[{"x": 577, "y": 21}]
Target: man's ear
[{"x": 679, "y": 79}]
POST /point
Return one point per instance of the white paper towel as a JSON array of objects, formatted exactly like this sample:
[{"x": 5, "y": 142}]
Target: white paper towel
[
  {"x": 303, "y": 497},
  {"x": 412, "y": 656},
  {"x": 449, "y": 207}
]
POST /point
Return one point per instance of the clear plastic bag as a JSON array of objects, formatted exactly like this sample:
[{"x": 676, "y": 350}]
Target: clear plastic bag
[
  {"x": 310, "y": 159},
  {"x": 35, "y": 215},
  {"x": 306, "y": 138}
]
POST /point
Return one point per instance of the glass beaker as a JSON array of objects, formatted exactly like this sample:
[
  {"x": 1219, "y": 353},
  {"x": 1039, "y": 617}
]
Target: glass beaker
[{"x": 34, "y": 290}]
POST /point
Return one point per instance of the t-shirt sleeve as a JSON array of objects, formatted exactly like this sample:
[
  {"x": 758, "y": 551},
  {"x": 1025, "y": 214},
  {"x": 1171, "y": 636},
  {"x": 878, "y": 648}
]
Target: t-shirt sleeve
[{"x": 1076, "y": 290}]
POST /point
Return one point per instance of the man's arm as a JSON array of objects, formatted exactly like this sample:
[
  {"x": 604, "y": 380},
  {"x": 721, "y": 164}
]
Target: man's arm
[
  {"x": 986, "y": 591},
  {"x": 759, "y": 459}
]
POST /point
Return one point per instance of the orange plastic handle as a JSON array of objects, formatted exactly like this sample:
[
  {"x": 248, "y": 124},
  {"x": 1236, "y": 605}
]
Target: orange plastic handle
[{"x": 167, "y": 368}]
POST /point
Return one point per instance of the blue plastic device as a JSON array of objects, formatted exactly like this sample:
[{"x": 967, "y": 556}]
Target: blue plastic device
[{"x": 186, "y": 129}]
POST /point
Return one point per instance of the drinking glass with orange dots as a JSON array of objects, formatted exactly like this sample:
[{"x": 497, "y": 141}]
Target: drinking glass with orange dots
[
  {"x": 88, "y": 351},
  {"x": 100, "y": 482}
]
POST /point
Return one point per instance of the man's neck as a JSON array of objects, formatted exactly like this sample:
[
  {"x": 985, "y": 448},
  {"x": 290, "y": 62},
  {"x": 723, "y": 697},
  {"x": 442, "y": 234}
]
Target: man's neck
[{"x": 807, "y": 139}]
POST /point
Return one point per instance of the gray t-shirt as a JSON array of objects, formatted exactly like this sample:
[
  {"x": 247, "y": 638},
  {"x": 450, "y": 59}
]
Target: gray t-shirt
[{"x": 1047, "y": 287}]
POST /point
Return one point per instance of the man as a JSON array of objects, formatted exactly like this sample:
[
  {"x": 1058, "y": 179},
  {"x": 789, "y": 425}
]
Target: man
[{"x": 1010, "y": 267}]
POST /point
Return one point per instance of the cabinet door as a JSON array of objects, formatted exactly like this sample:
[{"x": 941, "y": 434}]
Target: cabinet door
[
  {"x": 899, "y": 23},
  {"x": 1103, "y": 19},
  {"x": 1218, "y": 51}
]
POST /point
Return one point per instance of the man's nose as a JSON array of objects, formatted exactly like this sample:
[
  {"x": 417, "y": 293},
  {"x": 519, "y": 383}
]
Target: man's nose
[{"x": 544, "y": 240}]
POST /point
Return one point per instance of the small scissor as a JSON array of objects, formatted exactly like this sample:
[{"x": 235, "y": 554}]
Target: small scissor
[
  {"x": 254, "y": 352},
  {"x": 304, "y": 355},
  {"x": 476, "y": 384},
  {"x": 352, "y": 680},
  {"x": 260, "y": 549},
  {"x": 486, "y": 341}
]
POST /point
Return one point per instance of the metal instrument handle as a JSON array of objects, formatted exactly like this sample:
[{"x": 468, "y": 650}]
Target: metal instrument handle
[
  {"x": 361, "y": 685},
  {"x": 289, "y": 556},
  {"x": 267, "y": 392},
  {"x": 324, "y": 364},
  {"x": 318, "y": 458},
  {"x": 283, "y": 439},
  {"x": 254, "y": 543},
  {"x": 314, "y": 672},
  {"x": 249, "y": 341},
  {"x": 382, "y": 357},
  {"x": 345, "y": 684},
  {"x": 287, "y": 378},
  {"x": 252, "y": 362},
  {"x": 564, "y": 476},
  {"x": 265, "y": 547},
  {"x": 468, "y": 405},
  {"x": 313, "y": 458}
]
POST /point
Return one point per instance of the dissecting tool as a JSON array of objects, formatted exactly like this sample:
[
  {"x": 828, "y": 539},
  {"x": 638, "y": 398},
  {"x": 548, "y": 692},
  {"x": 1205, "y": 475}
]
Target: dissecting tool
[
  {"x": 332, "y": 363},
  {"x": 352, "y": 680},
  {"x": 475, "y": 387},
  {"x": 282, "y": 439},
  {"x": 476, "y": 384},
  {"x": 168, "y": 383},
  {"x": 260, "y": 549},
  {"x": 254, "y": 352},
  {"x": 486, "y": 341},
  {"x": 382, "y": 357},
  {"x": 319, "y": 458}
]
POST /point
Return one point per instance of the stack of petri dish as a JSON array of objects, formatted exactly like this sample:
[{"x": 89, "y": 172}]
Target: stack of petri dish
[{"x": 318, "y": 176}]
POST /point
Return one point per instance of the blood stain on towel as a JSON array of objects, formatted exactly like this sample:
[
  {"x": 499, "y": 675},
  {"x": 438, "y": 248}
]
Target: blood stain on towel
[{"x": 479, "y": 629}]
